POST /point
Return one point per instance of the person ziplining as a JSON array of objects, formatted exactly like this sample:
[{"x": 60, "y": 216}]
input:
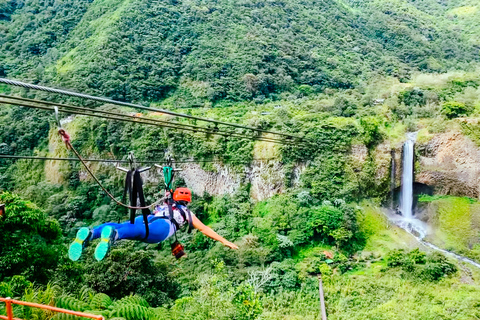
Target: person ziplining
[
  {"x": 161, "y": 227},
  {"x": 166, "y": 220}
]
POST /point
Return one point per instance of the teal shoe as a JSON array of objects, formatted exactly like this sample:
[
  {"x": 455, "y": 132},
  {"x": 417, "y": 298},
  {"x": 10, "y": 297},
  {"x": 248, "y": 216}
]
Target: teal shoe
[
  {"x": 76, "y": 247},
  {"x": 106, "y": 241}
]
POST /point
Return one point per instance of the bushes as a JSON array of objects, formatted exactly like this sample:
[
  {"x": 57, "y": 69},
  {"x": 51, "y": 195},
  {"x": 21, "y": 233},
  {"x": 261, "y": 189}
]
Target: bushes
[
  {"x": 413, "y": 97},
  {"x": 331, "y": 223},
  {"x": 328, "y": 179},
  {"x": 428, "y": 267},
  {"x": 371, "y": 131},
  {"x": 30, "y": 241},
  {"x": 128, "y": 269},
  {"x": 454, "y": 109}
]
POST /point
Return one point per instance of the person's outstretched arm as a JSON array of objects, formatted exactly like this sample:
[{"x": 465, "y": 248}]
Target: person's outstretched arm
[{"x": 210, "y": 233}]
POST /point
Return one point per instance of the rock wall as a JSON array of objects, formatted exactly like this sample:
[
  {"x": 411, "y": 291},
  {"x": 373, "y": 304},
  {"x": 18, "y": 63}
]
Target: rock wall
[
  {"x": 266, "y": 178},
  {"x": 450, "y": 162}
]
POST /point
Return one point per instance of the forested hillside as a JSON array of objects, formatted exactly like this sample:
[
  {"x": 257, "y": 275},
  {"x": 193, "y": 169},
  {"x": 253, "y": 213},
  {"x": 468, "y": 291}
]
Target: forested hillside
[
  {"x": 351, "y": 77},
  {"x": 199, "y": 52}
]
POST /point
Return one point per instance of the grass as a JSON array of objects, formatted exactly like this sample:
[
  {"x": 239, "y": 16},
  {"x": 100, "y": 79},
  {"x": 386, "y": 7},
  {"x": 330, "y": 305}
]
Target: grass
[
  {"x": 455, "y": 223},
  {"x": 382, "y": 236},
  {"x": 378, "y": 296}
]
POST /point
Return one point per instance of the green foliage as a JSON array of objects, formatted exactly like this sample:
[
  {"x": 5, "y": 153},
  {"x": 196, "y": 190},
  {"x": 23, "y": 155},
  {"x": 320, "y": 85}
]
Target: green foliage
[
  {"x": 305, "y": 90},
  {"x": 454, "y": 109},
  {"x": 247, "y": 303},
  {"x": 70, "y": 303},
  {"x": 15, "y": 287},
  {"x": 437, "y": 266},
  {"x": 345, "y": 107},
  {"x": 371, "y": 131},
  {"x": 413, "y": 97},
  {"x": 327, "y": 178},
  {"x": 131, "y": 311},
  {"x": 260, "y": 50},
  {"x": 100, "y": 301},
  {"x": 431, "y": 267},
  {"x": 29, "y": 240},
  {"x": 64, "y": 316},
  {"x": 128, "y": 269}
]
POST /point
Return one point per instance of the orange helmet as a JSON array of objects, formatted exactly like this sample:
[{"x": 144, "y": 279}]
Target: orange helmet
[{"x": 182, "y": 194}]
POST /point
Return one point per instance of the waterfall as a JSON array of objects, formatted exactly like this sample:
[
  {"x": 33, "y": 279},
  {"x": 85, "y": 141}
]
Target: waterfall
[
  {"x": 407, "y": 221},
  {"x": 417, "y": 228},
  {"x": 406, "y": 199}
]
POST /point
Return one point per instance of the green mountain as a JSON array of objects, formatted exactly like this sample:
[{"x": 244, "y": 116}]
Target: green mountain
[
  {"x": 352, "y": 77},
  {"x": 203, "y": 51}
]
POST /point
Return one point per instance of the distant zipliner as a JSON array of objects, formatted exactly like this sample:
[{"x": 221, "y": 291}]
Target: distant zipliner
[{"x": 163, "y": 223}]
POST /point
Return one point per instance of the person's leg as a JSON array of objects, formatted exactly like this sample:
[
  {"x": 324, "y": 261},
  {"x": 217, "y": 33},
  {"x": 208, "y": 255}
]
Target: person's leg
[
  {"x": 97, "y": 231},
  {"x": 111, "y": 232},
  {"x": 159, "y": 230},
  {"x": 76, "y": 247}
]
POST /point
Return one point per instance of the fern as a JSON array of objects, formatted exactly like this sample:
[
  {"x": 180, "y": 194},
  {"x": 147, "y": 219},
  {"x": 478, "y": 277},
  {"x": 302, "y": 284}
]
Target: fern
[
  {"x": 86, "y": 294},
  {"x": 160, "y": 313},
  {"x": 100, "y": 301},
  {"x": 133, "y": 299},
  {"x": 103, "y": 313},
  {"x": 70, "y": 303},
  {"x": 132, "y": 312},
  {"x": 63, "y": 316}
]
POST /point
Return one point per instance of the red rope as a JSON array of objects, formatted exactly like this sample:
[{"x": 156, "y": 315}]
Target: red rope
[{"x": 66, "y": 139}]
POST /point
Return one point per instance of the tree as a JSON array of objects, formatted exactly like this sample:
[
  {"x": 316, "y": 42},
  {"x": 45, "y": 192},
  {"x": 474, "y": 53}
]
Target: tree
[
  {"x": 454, "y": 109},
  {"x": 30, "y": 241}
]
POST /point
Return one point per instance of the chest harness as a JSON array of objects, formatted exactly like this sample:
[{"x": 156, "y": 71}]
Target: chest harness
[{"x": 134, "y": 189}]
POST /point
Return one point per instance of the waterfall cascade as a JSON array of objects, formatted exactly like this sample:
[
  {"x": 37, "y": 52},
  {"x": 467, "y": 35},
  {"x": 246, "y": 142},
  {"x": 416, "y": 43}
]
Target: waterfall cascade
[
  {"x": 407, "y": 220},
  {"x": 406, "y": 201}
]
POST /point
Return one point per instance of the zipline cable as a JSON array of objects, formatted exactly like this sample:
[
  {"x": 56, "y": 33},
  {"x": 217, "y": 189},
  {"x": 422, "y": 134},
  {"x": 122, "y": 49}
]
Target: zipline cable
[
  {"x": 8, "y": 156},
  {"x": 137, "y": 106},
  {"x": 46, "y": 105},
  {"x": 66, "y": 139},
  {"x": 38, "y": 104}
]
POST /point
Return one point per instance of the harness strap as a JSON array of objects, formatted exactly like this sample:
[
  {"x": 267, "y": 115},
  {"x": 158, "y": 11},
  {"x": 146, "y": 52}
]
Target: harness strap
[
  {"x": 171, "y": 217},
  {"x": 186, "y": 218},
  {"x": 133, "y": 201},
  {"x": 138, "y": 193}
]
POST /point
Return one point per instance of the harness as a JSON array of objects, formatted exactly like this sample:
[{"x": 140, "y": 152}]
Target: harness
[
  {"x": 168, "y": 174},
  {"x": 134, "y": 188}
]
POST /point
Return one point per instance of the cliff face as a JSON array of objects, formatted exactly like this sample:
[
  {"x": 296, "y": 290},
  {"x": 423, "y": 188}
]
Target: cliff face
[
  {"x": 266, "y": 179},
  {"x": 450, "y": 162}
]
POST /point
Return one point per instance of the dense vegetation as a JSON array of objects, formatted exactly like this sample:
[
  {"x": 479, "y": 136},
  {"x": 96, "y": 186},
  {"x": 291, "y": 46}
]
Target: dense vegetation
[
  {"x": 350, "y": 76},
  {"x": 199, "y": 52}
]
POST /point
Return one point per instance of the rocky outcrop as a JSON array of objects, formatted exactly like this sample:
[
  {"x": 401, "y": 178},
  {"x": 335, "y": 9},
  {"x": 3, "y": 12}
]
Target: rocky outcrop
[
  {"x": 266, "y": 178},
  {"x": 450, "y": 162}
]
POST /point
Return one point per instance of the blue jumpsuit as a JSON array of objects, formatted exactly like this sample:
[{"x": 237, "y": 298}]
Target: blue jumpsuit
[{"x": 158, "y": 229}]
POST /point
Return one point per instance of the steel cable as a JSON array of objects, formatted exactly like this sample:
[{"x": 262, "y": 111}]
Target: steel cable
[
  {"x": 9, "y": 156},
  {"x": 46, "y": 105},
  {"x": 137, "y": 106},
  {"x": 66, "y": 139}
]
